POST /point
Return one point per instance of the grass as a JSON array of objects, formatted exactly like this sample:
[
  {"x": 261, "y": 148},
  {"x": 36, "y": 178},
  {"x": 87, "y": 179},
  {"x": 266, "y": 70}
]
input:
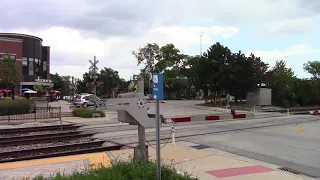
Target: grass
[{"x": 124, "y": 170}]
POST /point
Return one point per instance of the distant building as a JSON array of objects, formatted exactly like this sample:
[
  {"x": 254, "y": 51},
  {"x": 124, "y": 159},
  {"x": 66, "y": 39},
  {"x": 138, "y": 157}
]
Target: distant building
[
  {"x": 260, "y": 97},
  {"x": 32, "y": 58}
]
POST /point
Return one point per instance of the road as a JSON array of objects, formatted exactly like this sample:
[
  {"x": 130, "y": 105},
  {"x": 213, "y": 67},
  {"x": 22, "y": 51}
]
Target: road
[
  {"x": 286, "y": 141},
  {"x": 294, "y": 146}
]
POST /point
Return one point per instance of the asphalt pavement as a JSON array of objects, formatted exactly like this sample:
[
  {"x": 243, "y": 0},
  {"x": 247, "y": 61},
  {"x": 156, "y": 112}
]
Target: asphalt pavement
[
  {"x": 294, "y": 146},
  {"x": 287, "y": 141}
]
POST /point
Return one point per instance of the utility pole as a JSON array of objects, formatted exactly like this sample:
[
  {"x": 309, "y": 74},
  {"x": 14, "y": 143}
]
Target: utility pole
[
  {"x": 200, "y": 45},
  {"x": 93, "y": 71}
]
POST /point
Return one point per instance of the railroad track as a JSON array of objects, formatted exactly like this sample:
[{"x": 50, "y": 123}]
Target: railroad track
[
  {"x": 42, "y": 138},
  {"x": 17, "y": 144},
  {"x": 38, "y": 128},
  {"x": 55, "y": 151}
]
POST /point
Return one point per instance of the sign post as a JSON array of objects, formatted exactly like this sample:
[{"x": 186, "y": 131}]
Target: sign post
[
  {"x": 93, "y": 71},
  {"x": 157, "y": 81}
]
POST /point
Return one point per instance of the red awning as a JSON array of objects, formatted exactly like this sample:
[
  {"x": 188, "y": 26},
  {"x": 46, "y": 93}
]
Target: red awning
[
  {"x": 5, "y": 91},
  {"x": 55, "y": 92}
]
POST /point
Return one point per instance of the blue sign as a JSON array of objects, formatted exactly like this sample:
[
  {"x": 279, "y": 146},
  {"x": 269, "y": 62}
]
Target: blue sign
[{"x": 157, "y": 81}]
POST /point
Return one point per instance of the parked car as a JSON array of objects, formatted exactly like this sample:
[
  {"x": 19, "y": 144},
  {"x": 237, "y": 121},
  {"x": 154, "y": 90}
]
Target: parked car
[{"x": 83, "y": 101}]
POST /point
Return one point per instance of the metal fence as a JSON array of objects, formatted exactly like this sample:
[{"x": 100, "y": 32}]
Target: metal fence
[{"x": 34, "y": 113}]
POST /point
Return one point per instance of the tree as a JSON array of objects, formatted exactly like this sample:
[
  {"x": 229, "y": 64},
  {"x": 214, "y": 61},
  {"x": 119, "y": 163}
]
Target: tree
[
  {"x": 313, "y": 68},
  {"x": 58, "y": 82},
  {"x": 9, "y": 74},
  {"x": 219, "y": 56},
  {"x": 38, "y": 87},
  {"x": 168, "y": 57},
  {"x": 148, "y": 56},
  {"x": 110, "y": 79},
  {"x": 221, "y": 71},
  {"x": 281, "y": 80},
  {"x": 187, "y": 68}
]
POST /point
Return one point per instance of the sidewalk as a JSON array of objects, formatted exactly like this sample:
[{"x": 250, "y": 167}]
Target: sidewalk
[{"x": 208, "y": 164}]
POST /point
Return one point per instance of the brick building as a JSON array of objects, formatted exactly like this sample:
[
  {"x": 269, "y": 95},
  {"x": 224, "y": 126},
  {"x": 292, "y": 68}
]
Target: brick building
[{"x": 32, "y": 58}]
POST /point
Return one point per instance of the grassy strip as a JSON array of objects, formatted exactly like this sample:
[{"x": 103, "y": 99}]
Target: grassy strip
[{"x": 123, "y": 170}]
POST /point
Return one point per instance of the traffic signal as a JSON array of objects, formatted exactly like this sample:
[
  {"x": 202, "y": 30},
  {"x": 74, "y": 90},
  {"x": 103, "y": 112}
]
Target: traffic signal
[{"x": 93, "y": 85}]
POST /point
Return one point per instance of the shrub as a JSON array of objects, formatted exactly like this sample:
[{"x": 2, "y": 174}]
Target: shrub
[
  {"x": 86, "y": 113},
  {"x": 102, "y": 114},
  {"x": 125, "y": 170},
  {"x": 6, "y": 98},
  {"x": 15, "y": 107},
  {"x": 82, "y": 112}
]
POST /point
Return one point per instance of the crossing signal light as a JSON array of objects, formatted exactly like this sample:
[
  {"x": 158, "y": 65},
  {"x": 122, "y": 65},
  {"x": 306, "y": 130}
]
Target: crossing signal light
[{"x": 93, "y": 85}]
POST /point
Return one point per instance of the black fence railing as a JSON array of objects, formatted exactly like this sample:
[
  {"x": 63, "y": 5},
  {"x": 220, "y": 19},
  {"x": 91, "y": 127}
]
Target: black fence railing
[{"x": 32, "y": 113}]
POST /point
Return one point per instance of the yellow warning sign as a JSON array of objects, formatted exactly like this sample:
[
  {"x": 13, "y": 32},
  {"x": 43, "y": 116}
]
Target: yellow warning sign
[{"x": 136, "y": 88}]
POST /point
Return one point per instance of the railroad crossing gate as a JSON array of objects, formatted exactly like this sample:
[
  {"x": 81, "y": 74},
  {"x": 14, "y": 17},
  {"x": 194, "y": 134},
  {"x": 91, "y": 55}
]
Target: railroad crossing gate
[{"x": 132, "y": 108}]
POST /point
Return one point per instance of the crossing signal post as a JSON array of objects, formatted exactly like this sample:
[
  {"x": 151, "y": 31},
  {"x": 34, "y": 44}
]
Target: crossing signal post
[{"x": 93, "y": 72}]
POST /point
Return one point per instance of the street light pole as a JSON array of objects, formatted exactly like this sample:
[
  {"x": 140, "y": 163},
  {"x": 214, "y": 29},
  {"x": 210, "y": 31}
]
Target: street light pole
[
  {"x": 226, "y": 63},
  {"x": 200, "y": 45}
]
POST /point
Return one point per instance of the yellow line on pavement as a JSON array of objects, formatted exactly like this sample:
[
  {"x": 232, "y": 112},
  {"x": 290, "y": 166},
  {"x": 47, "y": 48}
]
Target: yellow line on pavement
[{"x": 94, "y": 158}]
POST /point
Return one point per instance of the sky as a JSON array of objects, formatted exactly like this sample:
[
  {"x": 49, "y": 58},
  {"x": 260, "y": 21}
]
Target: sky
[{"x": 76, "y": 30}]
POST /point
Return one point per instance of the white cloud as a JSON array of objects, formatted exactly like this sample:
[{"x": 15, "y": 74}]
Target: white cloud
[
  {"x": 70, "y": 51},
  {"x": 271, "y": 56},
  {"x": 77, "y": 30},
  {"x": 294, "y": 56},
  {"x": 302, "y": 25}
]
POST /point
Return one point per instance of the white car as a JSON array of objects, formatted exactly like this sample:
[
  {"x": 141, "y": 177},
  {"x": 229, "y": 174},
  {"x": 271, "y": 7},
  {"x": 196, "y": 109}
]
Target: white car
[{"x": 83, "y": 101}]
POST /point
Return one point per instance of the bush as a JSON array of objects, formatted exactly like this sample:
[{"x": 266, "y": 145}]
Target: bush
[
  {"x": 86, "y": 113},
  {"x": 285, "y": 103},
  {"x": 126, "y": 171},
  {"x": 15, "y": 107},
  {"x": 102, "y": 114},
  {"x": 6, "y": 98},
  {"x": 82, "y": 112}
]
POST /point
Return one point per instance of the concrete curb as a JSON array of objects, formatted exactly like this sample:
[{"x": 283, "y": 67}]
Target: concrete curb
[{"x": 211, "y": 117}]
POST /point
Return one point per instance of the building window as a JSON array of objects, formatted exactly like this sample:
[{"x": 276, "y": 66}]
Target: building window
[
  {"x": 44, "y": 65},
  {"x": 13, "y": 57},
  {"x": 31, "y": 66},
  {"x": 24, "y": 61},
  {"x": 36, "y": 64}
]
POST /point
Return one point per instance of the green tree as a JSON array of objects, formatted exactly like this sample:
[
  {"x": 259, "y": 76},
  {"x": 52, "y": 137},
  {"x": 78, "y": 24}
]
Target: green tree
[
  {"x": 148, "y": 56},
  {"x": 38, "y": 87},
  {"x": 219, "y": 56},
  {"x": 58, "y": 82},
  {"x": 110, "y": 79},
  {"x": 9, "y": 73},
  {"x": 313, "y": 68},
  {"x": 82, "y": 86},
  {"x": 282, "y": 80},
  {"x": 187, "y": 68},
  {"x": 169, "y": 56}
]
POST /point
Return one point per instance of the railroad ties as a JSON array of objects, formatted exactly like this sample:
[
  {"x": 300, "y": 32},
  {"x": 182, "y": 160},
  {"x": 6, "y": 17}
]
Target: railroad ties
[{"x": 17, "y": 144}]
